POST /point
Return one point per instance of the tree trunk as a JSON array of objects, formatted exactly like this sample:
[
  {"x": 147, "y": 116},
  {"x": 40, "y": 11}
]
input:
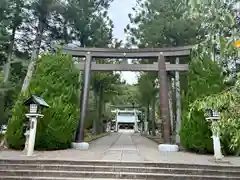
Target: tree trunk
[
  {"x": 100, "y": 108},
  {"x": 15, "y": 23},
  {"x": 153, "y": 116},
  {"x": 95, "y": 128},
  {"x": 7, "y": 66},
  {"x": 148, "y": 111},
  {"x": 65, "y": 32},
  {"x": 148, "y": 117},
  {"x": 34, "y": 57}
]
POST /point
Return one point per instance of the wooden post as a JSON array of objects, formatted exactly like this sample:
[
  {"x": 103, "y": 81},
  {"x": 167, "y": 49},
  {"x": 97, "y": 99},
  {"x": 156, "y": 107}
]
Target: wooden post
[
  {"x": 170, "y": 102},
  {"x": 178, "y": 103},
  {"x": 80, "y": 93},
  {"x": 164, "y": 102},
  {"x": 84, "y": 99}
]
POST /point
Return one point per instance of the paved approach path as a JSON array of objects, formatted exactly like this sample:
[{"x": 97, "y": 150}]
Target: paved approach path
[{"x": 120, "y": 147}]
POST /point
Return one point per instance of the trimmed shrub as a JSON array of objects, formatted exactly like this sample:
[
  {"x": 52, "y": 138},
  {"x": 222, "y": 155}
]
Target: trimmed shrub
[
  {"x": 56, "y": 80},
  {"x": 196, "y": 134}
]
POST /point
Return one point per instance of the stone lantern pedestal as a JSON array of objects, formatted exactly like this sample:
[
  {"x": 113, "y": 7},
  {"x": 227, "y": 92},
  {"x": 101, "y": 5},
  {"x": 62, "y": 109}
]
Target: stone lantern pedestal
[
  {"x": 26, "y": 134},
  {"x": 214, "y": 117}
]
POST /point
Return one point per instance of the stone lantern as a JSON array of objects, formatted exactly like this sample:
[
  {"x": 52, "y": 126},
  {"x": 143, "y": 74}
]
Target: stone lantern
[
  {"x": 214, "y": 116},
  {"x": 35, "y": 104}
]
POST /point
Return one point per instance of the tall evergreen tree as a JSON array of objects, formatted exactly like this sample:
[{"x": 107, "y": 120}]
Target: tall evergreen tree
[
  {"x": 41, "y": 10},
  {"x": 13, "y": 21}
]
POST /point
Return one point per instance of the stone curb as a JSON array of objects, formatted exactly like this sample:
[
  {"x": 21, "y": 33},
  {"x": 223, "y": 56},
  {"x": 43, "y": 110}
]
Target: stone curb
[
  {"x": 152, "y": 139},
  {"x": 98, "y": 137},
  {"x": 181, "y": 148}
]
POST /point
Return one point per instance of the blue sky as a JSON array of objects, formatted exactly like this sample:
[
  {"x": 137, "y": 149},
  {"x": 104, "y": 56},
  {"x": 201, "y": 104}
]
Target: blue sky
[{"x": 119, "y": 14}]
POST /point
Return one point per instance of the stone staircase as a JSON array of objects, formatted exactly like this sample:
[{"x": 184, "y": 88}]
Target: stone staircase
[{"x": 79, "y": 170}]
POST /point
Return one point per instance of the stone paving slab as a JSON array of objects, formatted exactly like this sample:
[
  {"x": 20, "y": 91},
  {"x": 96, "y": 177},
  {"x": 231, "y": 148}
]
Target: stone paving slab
[{"x": 121, "y": 147}]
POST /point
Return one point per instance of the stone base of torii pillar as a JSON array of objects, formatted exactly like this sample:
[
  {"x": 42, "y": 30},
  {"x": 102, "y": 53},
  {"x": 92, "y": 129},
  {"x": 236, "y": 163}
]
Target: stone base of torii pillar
[
  {"x": 80, "y": 145},
  {"x": 168, "y": 148}
]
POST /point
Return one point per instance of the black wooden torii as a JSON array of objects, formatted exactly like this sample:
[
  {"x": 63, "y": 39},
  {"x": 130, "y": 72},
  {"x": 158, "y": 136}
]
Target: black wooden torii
[{"x": 162, "y": 67}]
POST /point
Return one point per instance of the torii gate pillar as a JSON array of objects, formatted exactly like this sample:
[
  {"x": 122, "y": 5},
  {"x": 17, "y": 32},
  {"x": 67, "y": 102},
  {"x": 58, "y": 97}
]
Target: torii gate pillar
[{"x": 164, "y": 102}]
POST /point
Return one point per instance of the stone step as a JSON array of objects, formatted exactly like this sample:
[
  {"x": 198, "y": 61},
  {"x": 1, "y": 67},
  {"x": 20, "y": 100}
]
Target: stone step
[
  {"x": 125, "y": 164},
  {"x": 53, "y": 178},
  {"x": 179, "y": 170},
  {"x": 122, "y": 175},
  {"x": 42, "y": 178}
]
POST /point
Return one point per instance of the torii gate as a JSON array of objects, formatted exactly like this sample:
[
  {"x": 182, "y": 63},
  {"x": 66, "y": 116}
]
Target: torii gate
[
  {"x": 130, "y": 119},
  {"x": 162, "y": 66}
]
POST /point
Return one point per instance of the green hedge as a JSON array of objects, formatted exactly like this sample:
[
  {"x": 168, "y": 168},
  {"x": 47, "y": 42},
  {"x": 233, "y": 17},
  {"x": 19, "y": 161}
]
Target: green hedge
[
  {"x": 196, "y": 134},
  {"x": 56, "y": 80}
]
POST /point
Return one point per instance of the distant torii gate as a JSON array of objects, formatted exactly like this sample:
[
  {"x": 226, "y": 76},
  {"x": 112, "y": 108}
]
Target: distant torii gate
[
  {"x": 125, "y": 109},
  {"x": 162, "y": 67}
]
